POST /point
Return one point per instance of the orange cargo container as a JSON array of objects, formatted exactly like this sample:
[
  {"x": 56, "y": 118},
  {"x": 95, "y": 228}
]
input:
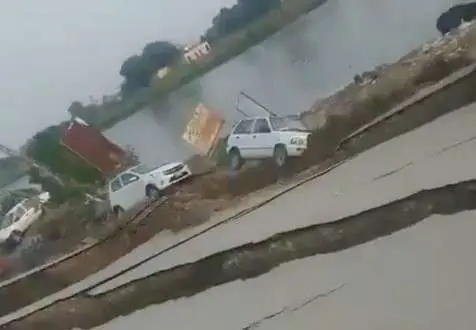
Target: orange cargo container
[{"x": 93, "y": 147}]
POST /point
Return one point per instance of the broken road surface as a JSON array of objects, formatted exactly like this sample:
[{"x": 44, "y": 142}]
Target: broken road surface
[
  {"x": 437, "y": 154},
  {"x": 420, "y": 278}
]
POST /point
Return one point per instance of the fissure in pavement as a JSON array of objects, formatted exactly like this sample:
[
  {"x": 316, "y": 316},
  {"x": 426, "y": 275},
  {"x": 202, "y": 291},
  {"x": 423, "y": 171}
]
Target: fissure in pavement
[
  {"x": 52, "y": 279},
  {"x": 250, "y": 260}
]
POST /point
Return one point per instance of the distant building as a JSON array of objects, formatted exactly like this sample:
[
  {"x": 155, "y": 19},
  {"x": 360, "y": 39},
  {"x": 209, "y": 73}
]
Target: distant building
[
  {"x": 89, "y": 144},
  {"x": 196, "y": 52}
]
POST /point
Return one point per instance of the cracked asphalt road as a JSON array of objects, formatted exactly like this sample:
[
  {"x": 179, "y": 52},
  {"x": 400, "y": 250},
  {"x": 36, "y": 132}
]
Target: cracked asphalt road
[
  {"x": 438, "y": 153},
  {"x": 420, "y": 278}
]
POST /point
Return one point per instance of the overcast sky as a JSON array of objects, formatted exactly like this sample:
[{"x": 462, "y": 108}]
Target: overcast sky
[{"x": 55, "y": 51}]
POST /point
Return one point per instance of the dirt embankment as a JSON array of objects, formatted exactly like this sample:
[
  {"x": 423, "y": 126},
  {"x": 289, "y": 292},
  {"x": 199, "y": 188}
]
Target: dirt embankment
[
  {"x": 250, "y": 260},
  {"x": 370, "y": 95},
  {"x": 333, "y": 118},
  {"x": 173, "y": 215},
  {"x": 337, "y": 116},
  {"x": 389, "y": 84},
  {"x": 189, "y": 279}
]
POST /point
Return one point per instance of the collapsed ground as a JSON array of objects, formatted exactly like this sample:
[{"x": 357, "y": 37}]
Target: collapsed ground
[
  {"x": 371, "y": 94},
  {"x": 250, "y": 260},
  {"x": 336, "y": 117}
]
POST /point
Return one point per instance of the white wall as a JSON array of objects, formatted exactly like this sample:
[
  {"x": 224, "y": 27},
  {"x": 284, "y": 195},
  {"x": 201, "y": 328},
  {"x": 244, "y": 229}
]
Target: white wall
[{"x": 197, "y": 52}]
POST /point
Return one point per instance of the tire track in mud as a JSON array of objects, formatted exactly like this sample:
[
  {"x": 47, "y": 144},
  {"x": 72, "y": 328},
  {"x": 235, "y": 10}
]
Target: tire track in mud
[{"x": 250, "y": 260}]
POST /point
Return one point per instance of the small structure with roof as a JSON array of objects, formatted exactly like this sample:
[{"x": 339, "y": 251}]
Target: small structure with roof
[
  {"x": 89, "y": 144},
  {"x": 196, "y": 52}
]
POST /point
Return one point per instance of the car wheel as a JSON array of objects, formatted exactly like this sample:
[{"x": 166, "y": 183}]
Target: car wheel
[
  {"x": 153, "y": 193},
  {"x": 15, "y": 238},
  {"x": 280, "y": 155},
  {"x": 235, "y": 160},
  {"x": 118, "y": 211}
]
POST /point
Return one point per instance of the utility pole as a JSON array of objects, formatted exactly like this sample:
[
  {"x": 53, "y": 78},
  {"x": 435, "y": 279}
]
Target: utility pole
[{"x": 252, "y": 99}]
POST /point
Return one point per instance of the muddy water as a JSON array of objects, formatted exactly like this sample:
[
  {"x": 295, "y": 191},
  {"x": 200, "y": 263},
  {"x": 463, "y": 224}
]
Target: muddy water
[{"x": 307, "y": 60}]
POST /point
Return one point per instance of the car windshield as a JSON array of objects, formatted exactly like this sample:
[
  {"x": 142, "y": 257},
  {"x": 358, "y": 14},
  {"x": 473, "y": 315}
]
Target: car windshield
[
  {"x": 143, "y": 169},
  {"x": 287, "y": 124}
]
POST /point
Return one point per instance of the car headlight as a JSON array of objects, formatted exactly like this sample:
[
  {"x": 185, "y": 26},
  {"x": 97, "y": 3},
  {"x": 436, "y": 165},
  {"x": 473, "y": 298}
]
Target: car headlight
[{"x": 298, "y": 141}]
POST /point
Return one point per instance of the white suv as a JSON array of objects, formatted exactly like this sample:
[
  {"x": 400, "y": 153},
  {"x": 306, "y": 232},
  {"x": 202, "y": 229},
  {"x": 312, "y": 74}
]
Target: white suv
[
  {"x": 134, "y": 185},
  {"x": 15, "y": 223},
  {"x": 266, "y": 137}
]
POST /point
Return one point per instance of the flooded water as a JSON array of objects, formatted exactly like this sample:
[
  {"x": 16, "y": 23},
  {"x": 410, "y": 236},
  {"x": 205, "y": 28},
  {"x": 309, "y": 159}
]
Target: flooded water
[{"x": 309, "y": 59}]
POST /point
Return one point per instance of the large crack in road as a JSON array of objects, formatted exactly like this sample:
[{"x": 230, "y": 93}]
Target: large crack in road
[
  {"x": 458, "y": 92},
  {"x": 250, "y": 260},
  {"x": 454, "y": 95}
]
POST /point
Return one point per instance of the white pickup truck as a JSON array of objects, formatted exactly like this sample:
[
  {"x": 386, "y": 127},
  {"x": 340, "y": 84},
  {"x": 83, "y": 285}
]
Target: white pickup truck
[{"x": 142, "y": 182}]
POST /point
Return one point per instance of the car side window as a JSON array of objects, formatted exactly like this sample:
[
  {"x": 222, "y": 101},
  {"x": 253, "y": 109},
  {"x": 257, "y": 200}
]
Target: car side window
[
  {"x": 244, "y": 127},
  {"x": 128, "y": 178},
  {"x": 116, "y": 184},
  {"x": 261, "y": 126}
]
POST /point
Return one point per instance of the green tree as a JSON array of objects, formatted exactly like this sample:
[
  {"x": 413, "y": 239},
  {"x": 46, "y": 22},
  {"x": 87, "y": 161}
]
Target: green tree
[
  {"x": 45, "y": 148},
  {"x": 90, "y": 113},
  {"x": 59, "y": 193},
  {"x": 160, "y": 54},
  {"x": 135, "y": 72},
  {"x": 229, "y": 20},
  {"x": 138, "y": 70},
  {"x": 76, "y": 109}
]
